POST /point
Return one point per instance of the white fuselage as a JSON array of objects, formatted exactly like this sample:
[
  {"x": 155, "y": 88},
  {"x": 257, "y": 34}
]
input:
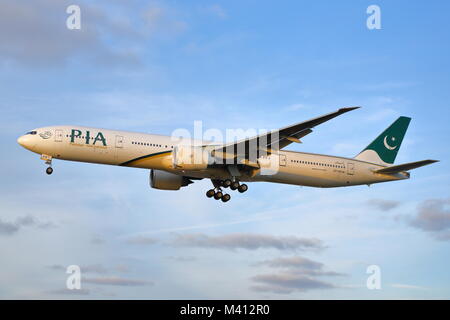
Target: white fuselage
[{"x": 150, "y": 151}]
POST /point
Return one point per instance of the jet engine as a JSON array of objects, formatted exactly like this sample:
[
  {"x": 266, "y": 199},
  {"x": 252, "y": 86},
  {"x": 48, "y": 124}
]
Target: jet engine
[{"x": 163, "y": 180}]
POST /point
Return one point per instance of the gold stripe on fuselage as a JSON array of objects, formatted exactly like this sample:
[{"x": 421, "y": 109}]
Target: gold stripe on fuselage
[{"x": 140, "y": 160}]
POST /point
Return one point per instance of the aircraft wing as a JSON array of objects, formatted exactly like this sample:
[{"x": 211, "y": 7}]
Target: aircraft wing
[{"x": 278, "y": 139}]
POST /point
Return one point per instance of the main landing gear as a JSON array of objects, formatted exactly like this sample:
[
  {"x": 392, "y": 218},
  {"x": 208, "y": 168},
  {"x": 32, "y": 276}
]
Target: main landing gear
[
  {"x": 235, "y": 185},
  {"x": 228, "y": 183},
  {"x": 218, "y": 195}
]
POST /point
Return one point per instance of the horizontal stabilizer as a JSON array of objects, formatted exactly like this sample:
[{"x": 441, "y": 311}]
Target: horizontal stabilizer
[{"x": 405, "y": 166}]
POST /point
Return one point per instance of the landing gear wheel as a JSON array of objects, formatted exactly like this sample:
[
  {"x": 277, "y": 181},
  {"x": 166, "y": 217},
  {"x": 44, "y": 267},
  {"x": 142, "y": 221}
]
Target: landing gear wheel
[
  {"x": 226, "y": 183},
  {"x": 218, "y": 195},
  {"x": 226, "y": 198},
  {"x": 242, "y": 188},
  {"x": 234, "y": 185},
  {"x": 210, "y": 193},
  {"x": 49, "y": 170}
]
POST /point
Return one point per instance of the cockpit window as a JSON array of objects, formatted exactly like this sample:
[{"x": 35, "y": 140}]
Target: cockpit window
[{"x": 32, "y": 132}]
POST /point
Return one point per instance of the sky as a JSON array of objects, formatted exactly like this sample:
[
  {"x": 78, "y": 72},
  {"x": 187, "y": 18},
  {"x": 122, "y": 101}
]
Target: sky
[{"x": 158, "y": 66}]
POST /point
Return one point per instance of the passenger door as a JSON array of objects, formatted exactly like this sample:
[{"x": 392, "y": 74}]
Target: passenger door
[
  {"x": 282, "y": 160},
  {"x": 119, "y": 141},
  {"x": 118, "y": 147},
  {"x": 58, "y": 135},
  {"x": 350, "y": 168}
]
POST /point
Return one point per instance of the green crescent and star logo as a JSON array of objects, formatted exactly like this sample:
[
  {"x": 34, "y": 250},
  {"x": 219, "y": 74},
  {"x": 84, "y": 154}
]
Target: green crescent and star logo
[{"x": 392, "y": 141}]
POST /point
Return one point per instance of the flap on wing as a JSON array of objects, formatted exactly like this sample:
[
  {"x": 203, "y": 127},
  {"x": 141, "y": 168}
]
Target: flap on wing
[
  {"x": 405, "y": 166},
  {"x": 286, "y": 140}
]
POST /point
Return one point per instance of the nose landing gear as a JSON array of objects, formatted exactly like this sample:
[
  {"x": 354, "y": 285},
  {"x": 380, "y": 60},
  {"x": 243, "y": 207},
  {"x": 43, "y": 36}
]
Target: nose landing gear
[{"x": 48, "y": 161}]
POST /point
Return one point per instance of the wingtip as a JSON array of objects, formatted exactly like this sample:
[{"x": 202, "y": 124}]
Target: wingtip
[{"x": 346, "y": 109}]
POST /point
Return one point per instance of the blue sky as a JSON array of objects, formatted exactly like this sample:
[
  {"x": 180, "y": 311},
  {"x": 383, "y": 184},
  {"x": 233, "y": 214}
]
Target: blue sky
[{"x": 158, "y": 66}]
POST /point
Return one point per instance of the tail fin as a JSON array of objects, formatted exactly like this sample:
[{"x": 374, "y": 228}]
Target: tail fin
[{"x": 383, "y": 150}]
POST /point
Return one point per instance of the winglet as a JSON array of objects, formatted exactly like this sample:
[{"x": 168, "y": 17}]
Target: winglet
[{"x": 347, "y": 109}]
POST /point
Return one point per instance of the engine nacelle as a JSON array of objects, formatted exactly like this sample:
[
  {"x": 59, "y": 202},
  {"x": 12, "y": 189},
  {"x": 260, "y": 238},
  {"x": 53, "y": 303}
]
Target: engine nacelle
[
  {"x": 191, "y": 157},
  {"x": 163, "y": 180}
]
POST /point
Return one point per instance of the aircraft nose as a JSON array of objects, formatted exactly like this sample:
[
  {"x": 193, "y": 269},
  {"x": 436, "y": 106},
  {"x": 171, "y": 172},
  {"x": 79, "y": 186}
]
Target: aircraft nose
[{"x": 24, "y": 141}]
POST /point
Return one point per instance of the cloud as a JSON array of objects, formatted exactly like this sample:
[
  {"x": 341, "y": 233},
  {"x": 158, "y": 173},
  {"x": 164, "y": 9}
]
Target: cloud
[
  {"x": 383, "y": 205},
  {"x": 91, "y": 268},
  {"x": 405, "y": 286},
  {"x": 7, "y": 228},
  {"x": 142, "y": 240},
  {"x": 117, "y": 281},
  {"x": 299, "y": 265},
  {"x": 37, "y": 36},
  {"x": 57, "y": 267},
  {"x": 81, "y": 291},
  {"x": 287, "y": 282},
  {"x": 299, "y": 274},
  {"x": 248, "y": 241},
  {"x": 434, "y": 216},
  {"x": 296, "y": 262},
  {"x": 182, "y": 258},
  {"x": 25, "y": 221},
  {"x": 94, "y": 268},
  {"x": 123, "y": 268},
  {"x": 10, "y": 228},
  {"x": 46, "y": 225},
  {"x": 443, "y": 236}
]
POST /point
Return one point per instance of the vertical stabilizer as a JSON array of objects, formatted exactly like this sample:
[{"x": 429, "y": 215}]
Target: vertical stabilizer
[{"x": 383, "y": 150}]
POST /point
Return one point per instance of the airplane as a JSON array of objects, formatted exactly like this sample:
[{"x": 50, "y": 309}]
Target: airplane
[{"x": 175, "y": 163}]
